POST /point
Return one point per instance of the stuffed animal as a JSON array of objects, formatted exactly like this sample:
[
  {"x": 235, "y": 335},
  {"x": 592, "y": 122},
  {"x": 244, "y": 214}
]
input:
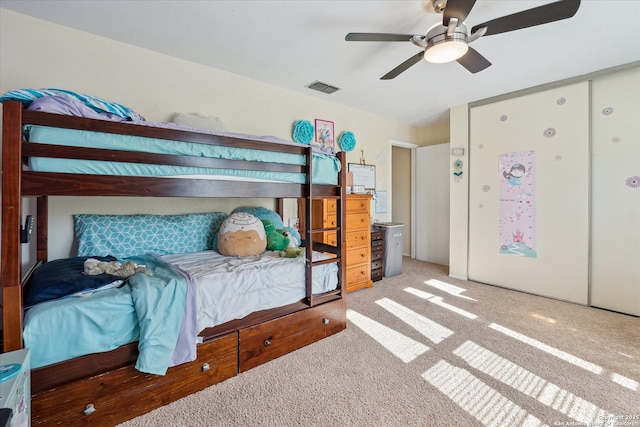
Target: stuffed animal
[
  {"x": 93, "y": 267},
  {"x": 292, "y": 252},
  {"x": 293, "y": 242},
  {"x": 276, "y": 239},
  {"x": 241, "y": 234}
]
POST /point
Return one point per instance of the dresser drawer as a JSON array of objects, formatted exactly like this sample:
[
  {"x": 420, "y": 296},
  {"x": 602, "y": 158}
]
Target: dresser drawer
[
  {"x": 331, "y": 221},
  {"x": 357, "y": 239},
  {"x": 358, "y": 273},
  {"x": 377, "y": 274},
  {"x": 267, "y": 341},
  {"x": 376, "y": 254},
  {"x": 357, "y": 206},
  {"x": 125, "y": 393},
  {"x": 357, "y": 256},
  {"x": 358, "y": 222},
  {"x": 376, "y": 264},
  {"x": 376, "y": 243}
]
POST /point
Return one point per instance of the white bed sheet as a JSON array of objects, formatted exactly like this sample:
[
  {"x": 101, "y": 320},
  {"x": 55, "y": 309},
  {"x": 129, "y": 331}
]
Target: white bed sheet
[{"x": 229, "y": 288}]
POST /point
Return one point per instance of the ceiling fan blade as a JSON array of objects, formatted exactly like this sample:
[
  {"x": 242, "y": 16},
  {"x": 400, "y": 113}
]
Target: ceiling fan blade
[
  {"x": 473, "y": 61},
  {"x": 529, "y": 18},
  {"x": 403, "y": 67},
  {"x": 378, "y": 37},
  {"x": 457, "y": 9}
]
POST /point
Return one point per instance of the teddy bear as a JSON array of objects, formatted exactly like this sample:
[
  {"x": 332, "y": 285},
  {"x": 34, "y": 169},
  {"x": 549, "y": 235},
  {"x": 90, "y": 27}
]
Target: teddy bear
[
  {"x": 292, "y": 252},
  {"x": 93, "y": 267},
  {"x": 277, "y": 240}
]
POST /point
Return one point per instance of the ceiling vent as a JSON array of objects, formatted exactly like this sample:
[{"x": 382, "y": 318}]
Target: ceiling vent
[{"x": 322, "y": 87}]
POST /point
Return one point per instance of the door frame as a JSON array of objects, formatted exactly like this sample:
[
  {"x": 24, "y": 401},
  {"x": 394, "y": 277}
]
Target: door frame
[{"x": 412, "y": 147}]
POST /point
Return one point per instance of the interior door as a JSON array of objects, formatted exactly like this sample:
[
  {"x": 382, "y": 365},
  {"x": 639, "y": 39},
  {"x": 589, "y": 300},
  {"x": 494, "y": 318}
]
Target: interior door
[
  {"x": 432, "y": 203},
  {"x": 529, "y": 193}
]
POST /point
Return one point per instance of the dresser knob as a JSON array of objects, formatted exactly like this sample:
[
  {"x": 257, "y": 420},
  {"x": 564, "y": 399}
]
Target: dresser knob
[
  {"x": 325, "y": 321},
  {"x": 90, "y": 409},
  {"x": 205, "y": 367},
  {"x": 267, "y": 343}
]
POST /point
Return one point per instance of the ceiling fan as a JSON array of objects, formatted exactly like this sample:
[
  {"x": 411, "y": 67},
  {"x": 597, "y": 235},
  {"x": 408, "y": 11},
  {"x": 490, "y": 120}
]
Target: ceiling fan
[{"x": 450, "y": 40}]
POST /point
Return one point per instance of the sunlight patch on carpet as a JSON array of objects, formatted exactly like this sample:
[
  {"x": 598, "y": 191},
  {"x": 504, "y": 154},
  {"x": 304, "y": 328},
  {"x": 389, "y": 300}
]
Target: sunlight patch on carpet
[
  {"x": 438, "y": 301},
  {"x": 624, "y": 381},
  {"x": 548, "y": 349},
  {"x": 530, "y": 384},
  {"x": 482, "y": 402},
  {"x": 431, "y": 330},
  {"x": 403, "y": 347},
  {"x": 456, "y": 291}
]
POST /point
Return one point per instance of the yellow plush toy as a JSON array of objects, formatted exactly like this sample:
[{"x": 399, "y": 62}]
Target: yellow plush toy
[{"x": 241, "y": 234}]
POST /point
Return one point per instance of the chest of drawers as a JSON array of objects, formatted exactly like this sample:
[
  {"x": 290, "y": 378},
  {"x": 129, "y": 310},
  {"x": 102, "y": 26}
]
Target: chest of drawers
[{"x": 377, "y": 255}]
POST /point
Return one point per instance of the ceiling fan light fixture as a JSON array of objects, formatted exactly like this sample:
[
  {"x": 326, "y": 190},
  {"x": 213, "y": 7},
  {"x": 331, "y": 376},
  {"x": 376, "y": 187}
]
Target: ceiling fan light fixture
[{"x": 443, "y": 47}]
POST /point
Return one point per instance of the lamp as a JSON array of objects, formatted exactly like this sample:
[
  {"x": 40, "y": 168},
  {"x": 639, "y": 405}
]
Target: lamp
[{"x": 445, "y": 44}]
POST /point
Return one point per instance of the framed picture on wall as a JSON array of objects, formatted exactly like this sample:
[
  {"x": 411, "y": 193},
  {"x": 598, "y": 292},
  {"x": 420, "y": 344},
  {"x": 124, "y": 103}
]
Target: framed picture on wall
[{"x": 325, "y": 135}]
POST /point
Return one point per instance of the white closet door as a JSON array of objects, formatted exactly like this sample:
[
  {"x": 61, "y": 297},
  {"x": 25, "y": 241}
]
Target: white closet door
[
  {"x": 528, "y": 226},
  {"x": 615, "y": 244}
]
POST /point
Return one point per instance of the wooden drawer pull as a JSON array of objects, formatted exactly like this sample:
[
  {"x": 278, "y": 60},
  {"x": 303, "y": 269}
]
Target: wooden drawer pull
[
  {"x": 267, "y": 343},
  {"x": 205, "y": 367},
  {"x": 90, "y": 409}
]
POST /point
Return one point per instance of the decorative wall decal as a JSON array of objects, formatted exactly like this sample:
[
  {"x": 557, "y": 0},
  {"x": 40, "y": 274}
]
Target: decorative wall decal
[
  {"x": 549, "y": 132},
  {"x": 457, "y": 170},
  {"x": 486, "y": 188},
  {"x": 558, "y": 157},
  {"x": 615, "y": 139},
  {"x": 561, "y": 101},
  {"x": 517, "y": 222},
  {"x": 607, "y": 111},
  {"x": 633, "y": 181},
  {"x": 503, "y": 118}
]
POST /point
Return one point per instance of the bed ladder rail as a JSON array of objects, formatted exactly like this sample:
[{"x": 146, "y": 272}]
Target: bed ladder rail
[{"x": 336, "y": 252}]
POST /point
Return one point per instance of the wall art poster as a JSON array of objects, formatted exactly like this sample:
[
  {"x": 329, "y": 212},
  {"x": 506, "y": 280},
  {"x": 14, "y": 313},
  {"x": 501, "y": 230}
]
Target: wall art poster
[{"x": 518, "y": 204}]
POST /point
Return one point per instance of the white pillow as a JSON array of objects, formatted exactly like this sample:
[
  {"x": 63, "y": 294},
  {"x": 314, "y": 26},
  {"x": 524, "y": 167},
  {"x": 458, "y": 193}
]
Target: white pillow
[{"x": 199, "y": 121}]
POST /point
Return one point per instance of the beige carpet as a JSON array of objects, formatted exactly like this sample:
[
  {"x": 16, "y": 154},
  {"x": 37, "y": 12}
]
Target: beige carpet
[{"x": 418, "y": 354}]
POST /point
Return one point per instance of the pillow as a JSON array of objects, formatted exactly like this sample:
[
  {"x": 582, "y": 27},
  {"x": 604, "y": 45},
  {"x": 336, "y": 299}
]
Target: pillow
[
  {"x": 97, "y": 104},
  {"x": 266, "y": 214},
  {"x": 199, "y": 121},
  {"x": 62, "y": 277},
  {"x": 124, "y": 236},
  {"x": 242, "y": 234}
]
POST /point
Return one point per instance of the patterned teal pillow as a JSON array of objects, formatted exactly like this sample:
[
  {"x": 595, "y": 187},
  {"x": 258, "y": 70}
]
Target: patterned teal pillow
[{"x": 123, "y": 236}]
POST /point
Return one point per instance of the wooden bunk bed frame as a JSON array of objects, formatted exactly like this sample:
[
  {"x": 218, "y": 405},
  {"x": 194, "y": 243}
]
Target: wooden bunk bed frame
[{"x": 104, "y": 388}]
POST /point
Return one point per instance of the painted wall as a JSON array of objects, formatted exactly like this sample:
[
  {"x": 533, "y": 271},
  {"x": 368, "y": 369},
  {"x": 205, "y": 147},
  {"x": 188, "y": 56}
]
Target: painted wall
[{"x": 36, "y": 53}]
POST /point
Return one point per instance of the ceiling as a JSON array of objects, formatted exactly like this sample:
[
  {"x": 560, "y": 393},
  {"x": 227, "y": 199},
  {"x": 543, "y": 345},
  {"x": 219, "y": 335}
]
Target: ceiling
[{"x": 290, "y": 44}]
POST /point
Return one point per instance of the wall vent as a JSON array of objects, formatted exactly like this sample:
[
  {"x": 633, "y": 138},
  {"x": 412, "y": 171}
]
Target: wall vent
[{"x": 322, "y": 87}]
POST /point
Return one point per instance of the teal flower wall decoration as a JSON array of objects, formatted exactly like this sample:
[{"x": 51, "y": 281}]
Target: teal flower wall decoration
[
  {"x": 347, "y": 141},
  {"x": 302, "y": 131}
]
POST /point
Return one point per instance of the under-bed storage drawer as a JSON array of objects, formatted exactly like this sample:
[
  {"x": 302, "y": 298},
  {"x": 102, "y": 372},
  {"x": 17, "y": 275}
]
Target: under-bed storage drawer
[
  {"x": 125, "y": 393},
  {"x": 267, "y": 341}
]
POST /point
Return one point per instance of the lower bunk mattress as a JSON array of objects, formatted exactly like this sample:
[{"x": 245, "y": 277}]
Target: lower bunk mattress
[{"x": 217, "y": 289}]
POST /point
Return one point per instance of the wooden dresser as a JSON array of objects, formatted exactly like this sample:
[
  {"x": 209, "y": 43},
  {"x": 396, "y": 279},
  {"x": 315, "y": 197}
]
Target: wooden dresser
[{"x": 358, "y": 230}]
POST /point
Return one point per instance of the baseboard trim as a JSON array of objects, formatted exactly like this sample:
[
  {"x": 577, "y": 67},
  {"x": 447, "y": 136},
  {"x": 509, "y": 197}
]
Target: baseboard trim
[{"x": 453, "y": 276}]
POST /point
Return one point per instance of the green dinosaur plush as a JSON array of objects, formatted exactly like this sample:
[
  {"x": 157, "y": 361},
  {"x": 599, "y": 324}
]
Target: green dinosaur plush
[
  {"x": 276, "y": 240},
  {"x": 292, "y": 252}
]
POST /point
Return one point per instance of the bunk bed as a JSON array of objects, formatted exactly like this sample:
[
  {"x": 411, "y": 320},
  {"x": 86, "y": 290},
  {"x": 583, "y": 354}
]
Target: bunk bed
[{"x": 105, "y": 388}]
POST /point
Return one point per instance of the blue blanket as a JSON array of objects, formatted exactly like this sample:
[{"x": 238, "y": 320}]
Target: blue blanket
[
  {"x": 159, "y": 302},
  {"x": 148, "y": 309}
]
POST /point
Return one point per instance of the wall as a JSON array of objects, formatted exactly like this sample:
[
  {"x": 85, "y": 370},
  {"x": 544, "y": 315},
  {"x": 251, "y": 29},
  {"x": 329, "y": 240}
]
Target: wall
[
  {"x": 36, "y": 53},
  {"x": 401, "y": 190}
]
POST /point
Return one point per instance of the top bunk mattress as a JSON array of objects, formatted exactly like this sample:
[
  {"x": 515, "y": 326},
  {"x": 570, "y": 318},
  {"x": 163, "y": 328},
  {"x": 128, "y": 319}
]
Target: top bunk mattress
[{"x": 325, "y": 167}]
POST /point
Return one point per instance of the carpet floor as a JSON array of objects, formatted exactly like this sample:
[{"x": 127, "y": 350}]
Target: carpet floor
[{"x": 423, "y": 349}]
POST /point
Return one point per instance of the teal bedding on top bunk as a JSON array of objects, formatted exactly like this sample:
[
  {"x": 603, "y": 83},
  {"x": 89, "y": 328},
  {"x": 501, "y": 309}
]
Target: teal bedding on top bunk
[{"x": 325, "y": 166}]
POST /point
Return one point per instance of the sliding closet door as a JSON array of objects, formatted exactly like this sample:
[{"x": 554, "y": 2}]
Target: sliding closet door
[
  {"x": 615, "y": 228},
  {"x": 529, "y": 193}
]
